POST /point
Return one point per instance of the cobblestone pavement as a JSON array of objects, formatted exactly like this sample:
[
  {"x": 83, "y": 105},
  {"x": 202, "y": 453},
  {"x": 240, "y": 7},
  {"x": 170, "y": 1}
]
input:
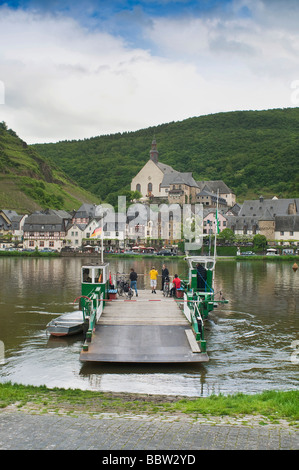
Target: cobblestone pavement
[{"x": 20, "y": 430}]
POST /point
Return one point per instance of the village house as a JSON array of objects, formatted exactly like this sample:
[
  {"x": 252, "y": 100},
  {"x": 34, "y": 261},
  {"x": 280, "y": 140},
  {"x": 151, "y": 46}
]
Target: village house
[
  {"x": 74, "y": 235},
  {"x": 46, "y": 230},
  {"x": 6, "y": 221},
  {"x": 17, "y": 225},
  {"x": 209, "y": 221},
  {"x": 214, "y": 188},
  {"x": 182, "y": 189},
  {"x": 11, "y": 225},
  {"x": 84, "y": 214},
  {"x": 208, "y": 199},
  {"x": 277, "y": 219}
]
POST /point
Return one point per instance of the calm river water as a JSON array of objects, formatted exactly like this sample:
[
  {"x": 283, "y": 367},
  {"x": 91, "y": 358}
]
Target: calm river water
[{"x": 249, "y": 340}]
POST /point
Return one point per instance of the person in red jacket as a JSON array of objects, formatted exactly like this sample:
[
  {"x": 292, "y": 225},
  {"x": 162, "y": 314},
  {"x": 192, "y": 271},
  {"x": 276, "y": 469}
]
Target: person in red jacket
[{"x": 176, "y": 285}]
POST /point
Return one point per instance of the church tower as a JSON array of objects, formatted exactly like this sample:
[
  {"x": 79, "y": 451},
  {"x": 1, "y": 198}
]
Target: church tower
[{"x": 154, "y": 152}]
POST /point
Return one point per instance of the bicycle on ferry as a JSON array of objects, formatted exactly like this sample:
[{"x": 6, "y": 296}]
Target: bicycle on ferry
[
  {"x": 166, "y": 287},
  {"x": 124, "y": 288}
]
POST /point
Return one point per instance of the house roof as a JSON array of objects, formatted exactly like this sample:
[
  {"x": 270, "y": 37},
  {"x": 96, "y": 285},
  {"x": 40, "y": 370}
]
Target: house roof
[
  {"x": 239, "y": 222},
  {"x": 165, "y": 168},
  {"x": 258, "y": 207},
  {"x": 289, "y": 223},
  {"x": 213, "y": 186},
  {"x": 4, "y": 225},
  {"x": 184, "y": 178},
  {"x": 235, "y": 209},
  {"x": 9, "y": 213},
  {"x": 79, "y": 226},
  {"x": 176, "y": 177},
  {"x": 207, "y": 212},
  {"x": 85, "y": 211},
  {"x": 41, "y": 222}
]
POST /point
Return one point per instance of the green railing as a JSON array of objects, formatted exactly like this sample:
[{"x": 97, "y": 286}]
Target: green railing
[{"x": 93, "y": 310}]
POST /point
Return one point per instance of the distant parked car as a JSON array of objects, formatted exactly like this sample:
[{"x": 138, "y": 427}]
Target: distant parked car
[
  {"x": 165, "y": 253},
  {"x": 247, "y": 253},
  {"x": 272, "y": 252},
  {"x": 67, "y": 249}
]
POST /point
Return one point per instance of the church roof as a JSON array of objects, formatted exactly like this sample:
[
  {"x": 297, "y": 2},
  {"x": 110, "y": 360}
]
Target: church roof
[{"x": 172, "y": 176}]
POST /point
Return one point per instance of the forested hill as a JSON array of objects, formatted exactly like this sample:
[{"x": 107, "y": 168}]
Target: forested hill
[
  {"x": 253, "y": 152},
  {"x": 29, "y": 182}
]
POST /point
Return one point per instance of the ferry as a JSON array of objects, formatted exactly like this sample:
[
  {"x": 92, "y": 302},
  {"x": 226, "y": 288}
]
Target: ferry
[{"x": 147, "y": 329}]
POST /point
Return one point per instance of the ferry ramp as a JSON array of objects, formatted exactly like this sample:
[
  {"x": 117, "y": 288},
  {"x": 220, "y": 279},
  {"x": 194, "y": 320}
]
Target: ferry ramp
[{"x": 147, "y": 329}]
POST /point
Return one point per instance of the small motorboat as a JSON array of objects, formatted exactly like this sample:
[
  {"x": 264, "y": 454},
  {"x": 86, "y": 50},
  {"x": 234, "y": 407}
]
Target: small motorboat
[{"x": 67, "y": 324}]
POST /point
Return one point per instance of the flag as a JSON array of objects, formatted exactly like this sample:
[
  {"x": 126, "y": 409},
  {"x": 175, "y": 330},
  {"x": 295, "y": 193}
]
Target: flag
[
  {"x": 217, "y": 222},
  {"x": 96, "y": 233}
]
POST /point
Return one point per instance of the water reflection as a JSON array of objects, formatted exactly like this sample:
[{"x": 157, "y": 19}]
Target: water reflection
[{"x": 249, "y": 339}]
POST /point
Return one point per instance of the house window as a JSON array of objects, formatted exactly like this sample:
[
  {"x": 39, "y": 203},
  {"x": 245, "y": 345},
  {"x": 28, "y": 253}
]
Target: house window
[
  {"x": 282, "y": 233},
  {"x": 149, "y": 187},
  {"x": 138, "y": 187},
  {"x": 31, "y": 243},
  {"x": 291, "y": 234},
  {"x": 42, "y": 243},
  {"x": 51, "y": 244}
]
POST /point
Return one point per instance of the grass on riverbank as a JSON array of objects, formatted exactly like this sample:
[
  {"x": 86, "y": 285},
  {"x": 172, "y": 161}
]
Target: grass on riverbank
[
  {"x": 29, "y": 254},
  {"x": 271, "y": 404},
  {"x": 108, "y": 256}
]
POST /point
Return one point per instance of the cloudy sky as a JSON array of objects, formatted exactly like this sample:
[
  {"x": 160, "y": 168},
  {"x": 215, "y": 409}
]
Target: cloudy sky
[{"x": 75, "y": 69}]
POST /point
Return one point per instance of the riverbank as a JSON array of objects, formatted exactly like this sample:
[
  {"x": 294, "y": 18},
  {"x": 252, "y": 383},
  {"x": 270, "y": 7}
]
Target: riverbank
[
  {"x": 269, "y": 407},
  {"x": 107, "y": 256}
]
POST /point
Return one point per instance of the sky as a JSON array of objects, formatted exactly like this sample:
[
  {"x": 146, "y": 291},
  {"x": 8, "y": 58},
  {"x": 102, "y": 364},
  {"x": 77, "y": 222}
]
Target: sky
[{"x": 79, "y": 69}]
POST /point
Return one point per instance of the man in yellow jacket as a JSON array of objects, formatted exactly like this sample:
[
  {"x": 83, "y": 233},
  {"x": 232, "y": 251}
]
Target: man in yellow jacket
[{"x": 153, "y": 277}]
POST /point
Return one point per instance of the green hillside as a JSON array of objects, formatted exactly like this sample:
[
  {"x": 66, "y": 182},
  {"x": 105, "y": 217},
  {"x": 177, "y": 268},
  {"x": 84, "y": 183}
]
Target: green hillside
[
  {"x": 254, "y": 152},
  {"x": 29, "y": 182}
]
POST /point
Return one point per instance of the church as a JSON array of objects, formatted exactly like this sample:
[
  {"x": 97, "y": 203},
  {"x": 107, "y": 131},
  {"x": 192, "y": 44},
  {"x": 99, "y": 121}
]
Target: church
[{"x": 159, "y": 181}]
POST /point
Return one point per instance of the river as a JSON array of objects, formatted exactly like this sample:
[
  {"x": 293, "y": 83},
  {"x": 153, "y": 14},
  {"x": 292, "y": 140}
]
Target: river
[{"x": 250, "y": 340}]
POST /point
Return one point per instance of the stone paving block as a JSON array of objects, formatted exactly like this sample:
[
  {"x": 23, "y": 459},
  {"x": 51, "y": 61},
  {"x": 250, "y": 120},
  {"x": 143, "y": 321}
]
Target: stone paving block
[{"x": 25, "y": 431}]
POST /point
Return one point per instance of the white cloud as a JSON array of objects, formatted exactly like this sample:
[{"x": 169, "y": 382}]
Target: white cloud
[{"x": 63, "y": 81}]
